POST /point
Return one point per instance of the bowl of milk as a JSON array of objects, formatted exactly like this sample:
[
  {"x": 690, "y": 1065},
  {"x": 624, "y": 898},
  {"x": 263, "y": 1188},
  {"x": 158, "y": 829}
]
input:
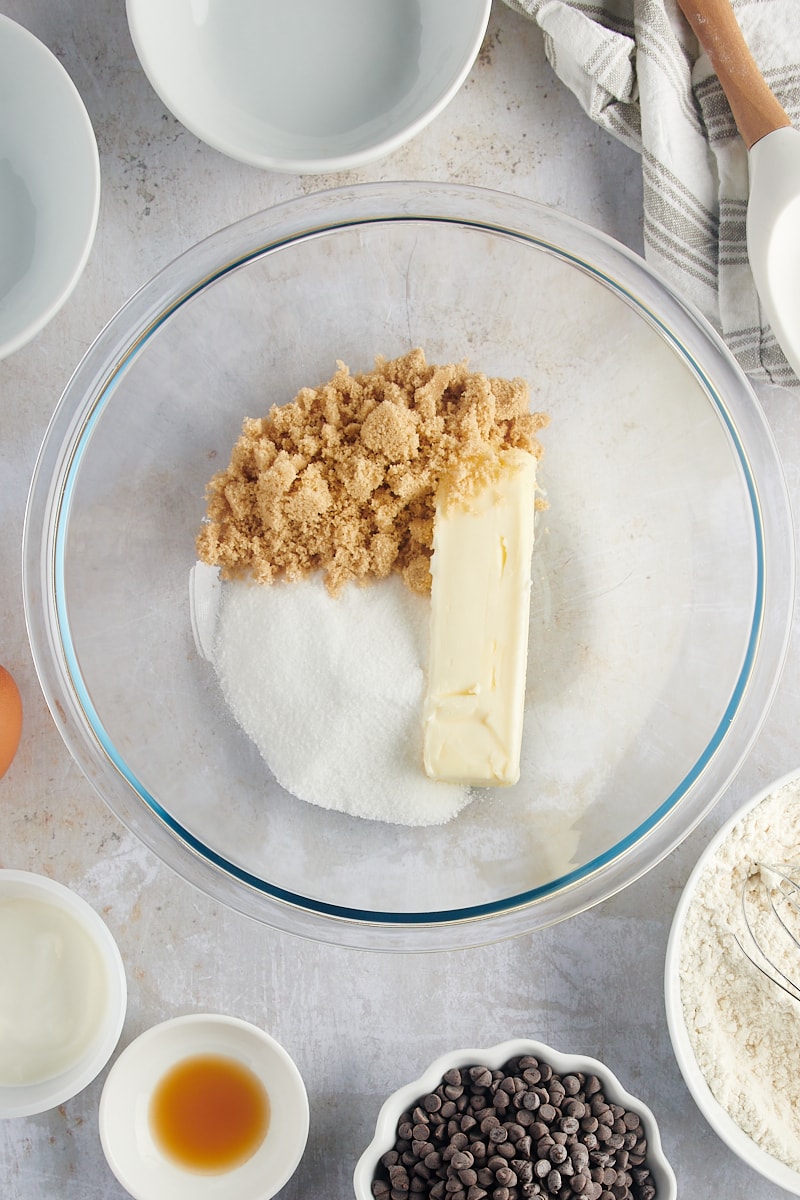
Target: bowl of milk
[{"x": 63, "y": 993}]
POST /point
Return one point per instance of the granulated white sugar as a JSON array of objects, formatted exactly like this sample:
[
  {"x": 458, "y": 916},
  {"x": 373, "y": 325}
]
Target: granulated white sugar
[{"x": 331, "y": 690}]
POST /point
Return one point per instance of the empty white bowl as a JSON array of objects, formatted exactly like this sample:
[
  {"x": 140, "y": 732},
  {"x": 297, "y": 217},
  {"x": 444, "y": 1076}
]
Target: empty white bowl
[
  {"x": 779, "y": 816},
  {"x": 306, "y": 86},
  {"x": 62, "y": 994},
  {"x": 49, "y": 186},
  {"x": 127, "y": 1135},
  {"x": 406, "y": 1098}
]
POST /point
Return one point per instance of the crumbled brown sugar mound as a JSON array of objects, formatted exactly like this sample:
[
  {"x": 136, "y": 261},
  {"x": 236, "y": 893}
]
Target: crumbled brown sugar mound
[{"x": 344, "y": 478}]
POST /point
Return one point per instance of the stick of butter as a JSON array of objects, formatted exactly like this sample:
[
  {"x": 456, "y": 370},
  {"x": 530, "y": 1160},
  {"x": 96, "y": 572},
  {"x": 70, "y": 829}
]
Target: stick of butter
[{"x": 480, "y": 603}]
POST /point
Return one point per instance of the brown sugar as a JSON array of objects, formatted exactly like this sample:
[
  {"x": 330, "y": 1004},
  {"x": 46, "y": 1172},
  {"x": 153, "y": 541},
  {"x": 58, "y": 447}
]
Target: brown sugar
[{"x": 344, "y": 479}]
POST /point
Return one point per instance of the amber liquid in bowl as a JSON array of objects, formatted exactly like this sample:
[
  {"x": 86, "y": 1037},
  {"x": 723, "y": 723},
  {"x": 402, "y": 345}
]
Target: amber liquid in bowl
[{"x": 209, "y": 1113}]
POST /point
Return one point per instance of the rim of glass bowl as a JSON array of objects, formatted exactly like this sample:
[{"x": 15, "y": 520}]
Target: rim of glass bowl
[{"x": 589, "y": 250}]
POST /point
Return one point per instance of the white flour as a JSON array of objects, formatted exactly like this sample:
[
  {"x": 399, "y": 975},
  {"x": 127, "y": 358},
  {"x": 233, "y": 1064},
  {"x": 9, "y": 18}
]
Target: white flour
[
  {"x": 744, "y": 1031},
  {"x": 331, "y": 693}
]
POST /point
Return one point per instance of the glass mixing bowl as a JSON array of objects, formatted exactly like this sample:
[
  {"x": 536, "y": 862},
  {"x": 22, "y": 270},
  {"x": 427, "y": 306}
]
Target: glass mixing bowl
[{"x": 663, "y": 568}]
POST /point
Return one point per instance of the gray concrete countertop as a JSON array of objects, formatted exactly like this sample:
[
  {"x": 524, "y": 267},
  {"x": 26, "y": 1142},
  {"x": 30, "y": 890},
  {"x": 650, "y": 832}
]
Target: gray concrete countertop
[{"x": 357, "y": 1024}]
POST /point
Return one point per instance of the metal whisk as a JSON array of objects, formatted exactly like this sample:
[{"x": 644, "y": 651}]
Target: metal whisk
[{"x": 771, "y": 910}]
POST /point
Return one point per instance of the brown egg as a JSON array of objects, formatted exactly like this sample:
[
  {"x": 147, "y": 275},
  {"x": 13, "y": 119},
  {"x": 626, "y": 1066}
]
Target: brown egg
[{"x": 10, "y": 720}]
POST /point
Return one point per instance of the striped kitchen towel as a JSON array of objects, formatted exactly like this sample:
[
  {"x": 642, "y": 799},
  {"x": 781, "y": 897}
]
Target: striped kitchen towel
[{"x": 637, "y": 70}]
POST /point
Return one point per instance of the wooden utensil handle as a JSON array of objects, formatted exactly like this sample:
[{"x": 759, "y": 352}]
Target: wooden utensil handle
[{"x": 754, "y": 107}]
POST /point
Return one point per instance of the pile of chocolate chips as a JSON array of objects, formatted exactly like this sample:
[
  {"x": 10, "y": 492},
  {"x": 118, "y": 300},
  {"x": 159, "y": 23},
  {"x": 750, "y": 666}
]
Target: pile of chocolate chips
[{"x": 513, "y": 1133}]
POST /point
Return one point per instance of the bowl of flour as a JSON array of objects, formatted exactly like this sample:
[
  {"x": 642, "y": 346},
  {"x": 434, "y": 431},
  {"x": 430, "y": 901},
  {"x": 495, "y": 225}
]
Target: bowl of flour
[{"x": 735, "y": 1033}]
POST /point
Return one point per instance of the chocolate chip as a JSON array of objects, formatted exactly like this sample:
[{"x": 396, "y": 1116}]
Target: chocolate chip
[
  {"x": 523, "y": 1146},
  {"x": 579, "y": 1155},
  {"x": 516, "y": 1133},
  {"x": 398, "y": 1178},
  {"x": 523, "y": 1169}
]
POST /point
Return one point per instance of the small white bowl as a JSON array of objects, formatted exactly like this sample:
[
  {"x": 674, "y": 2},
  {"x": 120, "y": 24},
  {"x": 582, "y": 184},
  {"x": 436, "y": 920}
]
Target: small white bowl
[
  {"x": 49, "y": 186},
  {"x": 717, "y": 1116},
  {"x": 495, "y": 1057},
  {"x": 128, "y": 1141},
  {"x": 306, "y": 86},
  {"x": 90, "y": 979}
]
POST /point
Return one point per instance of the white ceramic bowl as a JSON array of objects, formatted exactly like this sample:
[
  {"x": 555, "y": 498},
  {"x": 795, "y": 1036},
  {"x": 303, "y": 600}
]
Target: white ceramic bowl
[
  {"x": 127, "y": 1137},
  {"x": 494, "y": 1057},
  {"x": 95, "y": 965},
  {"x": 718, "y": 1116},
  {"x": 307, "y": 86},
  {"x": 49, "y": 186}
]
